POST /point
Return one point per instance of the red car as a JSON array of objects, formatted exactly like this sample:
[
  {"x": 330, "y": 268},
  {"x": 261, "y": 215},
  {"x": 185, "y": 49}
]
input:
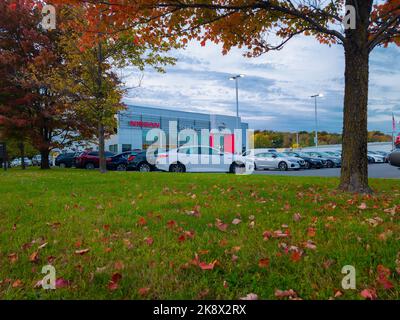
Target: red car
[
  {"x": 397, "y": 142},
  {"x": 91, "y": 160}
]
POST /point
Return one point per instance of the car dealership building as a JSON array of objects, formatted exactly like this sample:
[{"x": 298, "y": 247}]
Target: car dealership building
[{"x": 135, "y": 122}]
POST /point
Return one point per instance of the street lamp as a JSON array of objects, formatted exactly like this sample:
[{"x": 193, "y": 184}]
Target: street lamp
[
  {"x": 315, "y": 96},
  {"x": 236, "y": 79}
]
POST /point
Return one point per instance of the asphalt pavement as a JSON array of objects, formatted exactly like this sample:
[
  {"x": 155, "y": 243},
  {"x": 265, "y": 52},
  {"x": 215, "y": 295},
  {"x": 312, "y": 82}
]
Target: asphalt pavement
[{"x": 385, "y": 171}]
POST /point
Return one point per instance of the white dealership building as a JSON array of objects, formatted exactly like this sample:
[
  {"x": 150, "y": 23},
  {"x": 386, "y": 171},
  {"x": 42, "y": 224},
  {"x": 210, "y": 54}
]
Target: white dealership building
[{"x": 135, "y": 122}]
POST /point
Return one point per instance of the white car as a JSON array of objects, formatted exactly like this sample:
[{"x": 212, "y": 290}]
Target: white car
[
  {"x": 17, "y": 162},
  {"x": 275, "y": 160},
  {"x": 377, "y": 158},
  {"x": 202, "y": 159}
]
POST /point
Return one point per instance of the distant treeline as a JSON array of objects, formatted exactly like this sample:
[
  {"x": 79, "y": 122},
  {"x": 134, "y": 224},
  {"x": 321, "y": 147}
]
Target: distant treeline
[{"x": 275, "y": 139}]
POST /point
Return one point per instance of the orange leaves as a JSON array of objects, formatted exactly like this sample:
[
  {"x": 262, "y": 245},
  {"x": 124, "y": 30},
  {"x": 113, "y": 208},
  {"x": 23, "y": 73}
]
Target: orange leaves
[
  {"x": 13, "y": 257},
  {"x": 383, "y": 275},
  {"x": 221, "y": 226},
  {"x": 34, "y": 257},
  {"x": 203, "y": 265},
  {"x": 369, "y": 294},
  {"x": 149, "y": 240},
  {"x": 263, "y": 263},
  {"x": 295, "y": 256},
  {"x": 142, "y": 222},
  {"x": 113, "y": 284}
]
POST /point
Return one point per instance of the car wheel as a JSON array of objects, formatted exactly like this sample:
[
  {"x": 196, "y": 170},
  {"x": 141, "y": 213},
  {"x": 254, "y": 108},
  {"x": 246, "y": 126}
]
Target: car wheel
[
  {"x": 330, "y": 164},
  {"x": 62, "y": 165},
  {"x": 307, "y": 165},
  {"x": 89, "y": 166},
  {"x": 177, "y": 168},
  {"x": 237, "y": 168},
  {"x": 144, "y": 167},
  {"x": 283, "y": 166},
  {"x": 121, "y": 167}
]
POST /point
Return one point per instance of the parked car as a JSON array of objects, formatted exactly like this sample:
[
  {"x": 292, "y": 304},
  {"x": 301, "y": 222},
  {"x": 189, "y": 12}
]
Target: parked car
[
  {"x": 377, "y": 158},
  {"x": 17, "y": 162},
  {"x": 276, "y": 160},
  {"x": 202, "y": 159},
  {"x": 394, "y": 158},
  {"x": 383, "y": 154},
  {"x": 331, "y": 161},
  {"x": 90, "y": 160},
  {"x": 66, "y": 160},
  {"x": 336, "y": 154},
  {"x": 119, "y": 162},
  {"x": 142, "y": 162},
  {"x": 309, "y": 162}
]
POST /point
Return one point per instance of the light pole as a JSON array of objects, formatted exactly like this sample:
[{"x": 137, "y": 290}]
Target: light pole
[
  {"x": 315, "y": 96},
  {"x": 236, "y": 79}
]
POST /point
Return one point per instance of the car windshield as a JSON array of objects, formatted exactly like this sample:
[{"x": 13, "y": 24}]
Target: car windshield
[
  {"x": 302, "y": 154},
  {"x": 325, "y": 154},
  {"x": 282, "y": 155}
]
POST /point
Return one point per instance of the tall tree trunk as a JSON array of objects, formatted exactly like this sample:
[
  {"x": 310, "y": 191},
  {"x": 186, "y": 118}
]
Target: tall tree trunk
[
  {"x": 102, "y": 158},
  {"x": 22, "y": 154},
  {"x": 44, "y": 162},
  {"x": 354, "y": 175}
]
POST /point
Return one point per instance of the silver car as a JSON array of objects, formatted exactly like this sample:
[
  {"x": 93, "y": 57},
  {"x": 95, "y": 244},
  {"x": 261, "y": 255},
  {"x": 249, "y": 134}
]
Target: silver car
[{"x": 275, "y": 160}]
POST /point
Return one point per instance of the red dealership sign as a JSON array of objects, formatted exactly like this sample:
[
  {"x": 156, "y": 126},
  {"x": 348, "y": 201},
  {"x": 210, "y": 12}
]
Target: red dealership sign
[{"x": 144, "y": 124}]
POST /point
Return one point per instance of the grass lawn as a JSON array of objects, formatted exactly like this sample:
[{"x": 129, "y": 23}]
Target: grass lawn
[{"x": 157, "y": 236}]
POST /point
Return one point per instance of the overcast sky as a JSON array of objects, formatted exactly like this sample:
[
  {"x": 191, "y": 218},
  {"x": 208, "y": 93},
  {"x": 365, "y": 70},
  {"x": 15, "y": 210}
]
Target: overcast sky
[{"x": 274, "y": 95}]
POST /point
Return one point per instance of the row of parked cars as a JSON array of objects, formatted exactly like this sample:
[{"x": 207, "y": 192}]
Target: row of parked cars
[{"x": 208, "y": 159}]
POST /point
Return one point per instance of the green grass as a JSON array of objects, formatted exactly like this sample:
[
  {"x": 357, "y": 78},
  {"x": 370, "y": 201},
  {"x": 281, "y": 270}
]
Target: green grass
[{"x": 75, "y": 209}]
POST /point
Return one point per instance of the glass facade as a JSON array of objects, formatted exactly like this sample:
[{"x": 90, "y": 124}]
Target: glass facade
[{"x": 136, "y": 122}]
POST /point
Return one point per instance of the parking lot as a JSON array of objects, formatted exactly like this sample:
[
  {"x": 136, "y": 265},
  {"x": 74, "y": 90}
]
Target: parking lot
[{"x": 375, "y": 171}]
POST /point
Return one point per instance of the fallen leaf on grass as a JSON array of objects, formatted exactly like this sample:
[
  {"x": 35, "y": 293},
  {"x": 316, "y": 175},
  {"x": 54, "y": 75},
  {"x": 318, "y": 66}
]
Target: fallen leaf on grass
[
  {"x": 362, "y": 206},
  {"x": 296, "y": 256},
  {"x": 82, "y": 252},
  {"x": 114, "y": 282},
  {"x": 34, "y": 257},
  {"x": 369, "y": 294},
  {"x": 311, "y": 232},
  {"x": 207, "y": 266},
  {"x": 236, "y": 221},
  {"x": 171, "y": 224},
  {"x": 221, "y": 226},
  {"x": 385, "y": 235},
  {"x": 149, "y": 240},
  {"x": 119, "y": 265},
  {"x": 263, "y": 263},
  {"x": 62, "y": 283},
  {"x": 143, "y": 291},
  {"x": 297, "y": 217},
  {"x": 267, "y": 235},
  {"x": 383, "y": 274},
  {"x": 250, "y": 296},
  {"x": 286, "y": 294},
  {"x": 310, "y": 245},
  {"x": 13, "y": 257},
  {"x": 142, "y": 221},
  {"x": 17, "y": 283}
]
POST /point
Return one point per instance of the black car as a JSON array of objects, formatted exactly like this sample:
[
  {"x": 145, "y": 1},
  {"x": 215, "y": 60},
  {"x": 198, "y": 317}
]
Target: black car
[
  {"x": 119, "y": 162},
  {"x": 310, "y": 162},
  {"x": 141, "y": 163},
  {"x": 331, "y": 161},
  {"x": 66, "y": 160}
]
